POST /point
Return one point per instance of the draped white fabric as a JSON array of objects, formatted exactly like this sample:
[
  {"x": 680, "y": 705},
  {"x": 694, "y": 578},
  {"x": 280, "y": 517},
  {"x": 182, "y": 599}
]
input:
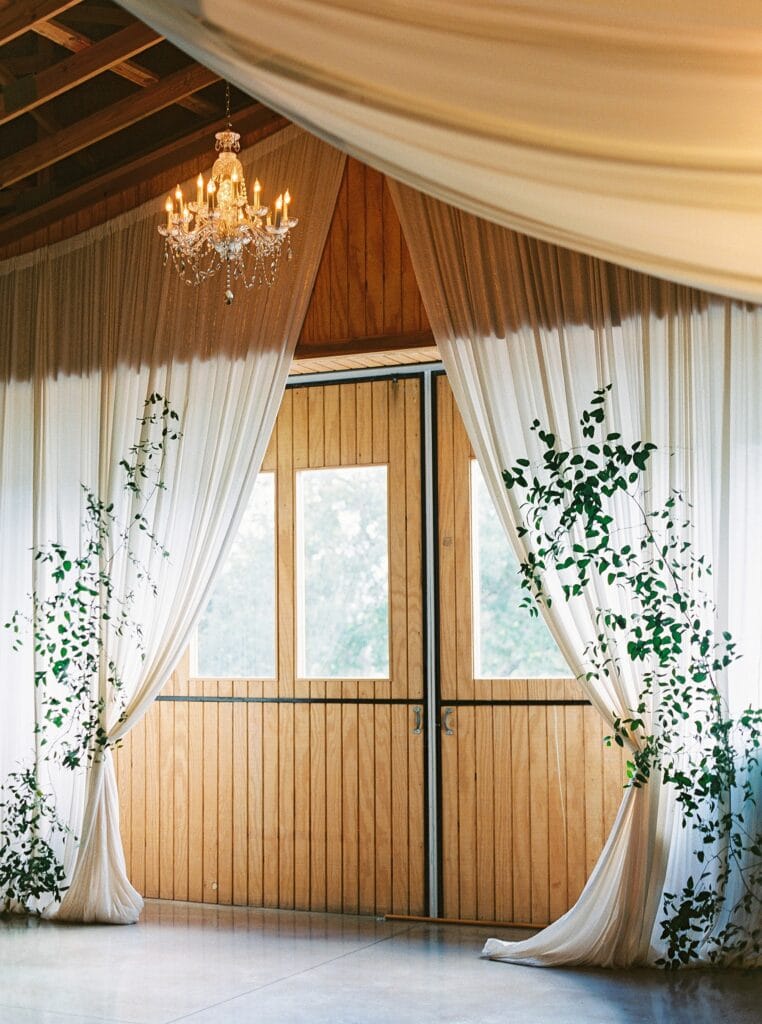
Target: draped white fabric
[
  {"x": 528, "y": 330},
  {"x": 630, "y": 131},
  {"x": 91, "y": 328}
]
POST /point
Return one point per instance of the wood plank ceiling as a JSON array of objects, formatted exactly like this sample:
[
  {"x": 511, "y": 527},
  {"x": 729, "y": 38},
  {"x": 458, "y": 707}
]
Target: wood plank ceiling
[
  {"x": 87, "y": 92},
  {"x": 98, "y": 114}
]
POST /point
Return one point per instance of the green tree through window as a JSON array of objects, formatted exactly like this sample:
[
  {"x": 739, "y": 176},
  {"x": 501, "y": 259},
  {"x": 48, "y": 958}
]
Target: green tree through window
[{"x": 508, "y": 643}]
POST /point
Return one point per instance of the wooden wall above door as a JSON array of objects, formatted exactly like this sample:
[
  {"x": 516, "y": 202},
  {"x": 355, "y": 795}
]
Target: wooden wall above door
[{"x": 366, "y": 297}]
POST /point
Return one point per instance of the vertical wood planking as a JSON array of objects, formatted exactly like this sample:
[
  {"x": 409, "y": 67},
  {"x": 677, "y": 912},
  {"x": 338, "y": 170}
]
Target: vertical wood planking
[
  {"x": 349, "y": 809},
  {"x": 210, "y": 804},
  {"x": 195, "y": 799},
  {"x": 318, "y": 807},
  {"x": 166, "y": 764},
  {"x": 333, "y": 812},
  {"x": 366, "y": 801},
  {"x": 240, "y": 797},
  {"x": 356, "y": 326},
  {"x": 255, "y": 803},
  {"x": 339, "y": 263},
  {"x": 153, "y": 803},
  {"x": 225, "y": 794}
]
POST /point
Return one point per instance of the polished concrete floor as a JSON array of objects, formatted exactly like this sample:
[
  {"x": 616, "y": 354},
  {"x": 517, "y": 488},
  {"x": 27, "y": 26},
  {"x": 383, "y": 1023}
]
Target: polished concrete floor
[{"x": 209, "y": 965}]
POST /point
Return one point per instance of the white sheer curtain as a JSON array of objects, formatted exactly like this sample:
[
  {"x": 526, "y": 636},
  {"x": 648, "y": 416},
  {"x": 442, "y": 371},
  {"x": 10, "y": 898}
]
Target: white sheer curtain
[
  {"x": 630, "y": 131},
  {"x": 528, "y": 330},
  {"x": 91, "y": 328}
]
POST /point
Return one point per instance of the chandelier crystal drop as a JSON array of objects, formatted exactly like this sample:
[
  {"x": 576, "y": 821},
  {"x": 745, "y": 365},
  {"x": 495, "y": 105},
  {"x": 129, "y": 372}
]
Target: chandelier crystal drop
[{"x": 221, "y": 230}]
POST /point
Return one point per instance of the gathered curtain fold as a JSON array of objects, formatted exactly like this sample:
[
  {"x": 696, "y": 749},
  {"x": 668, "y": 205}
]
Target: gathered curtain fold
[
  {"x": 91, "y": 328},
  {"x": 629, "y": 131},
  {"x": 527, "y": 330}
]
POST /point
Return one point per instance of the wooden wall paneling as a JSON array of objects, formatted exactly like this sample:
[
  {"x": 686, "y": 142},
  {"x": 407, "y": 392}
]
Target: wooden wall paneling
[
  {"x": 538, "y": 775},
  {"x": 286, "y": 805},
  {"x": 302, "y": 798},
  {"x": 558, "y": 900},
  {"x": 349, "y": 809},
  {"x": 347, "y": 425},
  {"x": 392, "y": 265},
  {"x": 285, "y": 526},
  {"x": 334, "y": 807},
  {"x": 166, "y": 764},
  {"x": 318, "y": 809},
  {"x": 255, "y": 801},
  {"x": 270, "y": 806},
  {"x": 331, "y": 426},
  {"x": 364, "y": 414},
  {"x": 366, "y": 810},
  {"x": 521, "y": 799},
  {"x": 485, "y": 814},
  {"x": 397, "y": 542},
  {"x": 503, "y": 814},
  {"x": 225, "y": 793},
  {"x": 594, "y": 788},
  {"x": 414, "y": 554},
  {"x": 355, "y": 176},
  {"x": 575, "y": 801},
  {"x": 152, "y": 805},
  {"x": 339, "y": 263},
  {"x": 210, "y": 795},
  {"x": 240, "y": 794},
  {"x": 315, "y": 427},
  {"x": 383, "y": 848},
  {"x": 180, "y": 783},
  {"x": 374, "y": 253},
  {"x": 195, "y": 795}
]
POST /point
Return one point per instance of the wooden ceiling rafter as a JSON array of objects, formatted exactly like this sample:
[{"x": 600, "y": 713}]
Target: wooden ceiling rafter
[
  {"x": 24, "y": 95},
  {"x": 76, "y": 42},
  {"x": 108, "y": 121},
  {"x": 254, "y": 122},
  {"x": 27, "y": 15}
]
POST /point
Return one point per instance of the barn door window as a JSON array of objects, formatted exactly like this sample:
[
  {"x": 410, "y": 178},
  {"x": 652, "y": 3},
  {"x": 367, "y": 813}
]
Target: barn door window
[
  {"x": 236, "y": 634},
  {"x": 342, "y": 580},
  {"x": 508, "y": 642}
]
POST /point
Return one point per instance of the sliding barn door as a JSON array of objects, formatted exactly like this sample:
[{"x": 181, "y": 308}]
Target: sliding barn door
[
  {"x": 528, "y": 790},
  {"x": 306, "y": 789}
]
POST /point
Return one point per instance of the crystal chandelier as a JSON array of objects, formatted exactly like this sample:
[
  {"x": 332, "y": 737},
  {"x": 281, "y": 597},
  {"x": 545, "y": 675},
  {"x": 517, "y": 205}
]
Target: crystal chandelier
[{"x": 220, "y": 230}]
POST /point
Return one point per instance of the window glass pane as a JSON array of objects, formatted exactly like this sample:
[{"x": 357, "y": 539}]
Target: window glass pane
[
  {"x": 236, "y": 634},
  {"x": 508, "y": 642},
  {"x": 343, "y": 573}
]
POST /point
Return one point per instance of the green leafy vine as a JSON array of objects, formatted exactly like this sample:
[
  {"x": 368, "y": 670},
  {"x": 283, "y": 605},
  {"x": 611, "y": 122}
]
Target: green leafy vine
[
  {"x": 72, "y": 621},
  {"x": 585, "y": 517}
]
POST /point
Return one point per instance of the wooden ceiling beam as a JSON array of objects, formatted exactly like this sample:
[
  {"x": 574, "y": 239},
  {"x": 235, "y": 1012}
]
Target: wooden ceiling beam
[
  {"x": 105, "y": 122},
  {"x": 72, "y": 40},
  {"x": 156, "y": 172},
  {"x": 26, "y": 15},
  {"x": 26, "y": 94}
]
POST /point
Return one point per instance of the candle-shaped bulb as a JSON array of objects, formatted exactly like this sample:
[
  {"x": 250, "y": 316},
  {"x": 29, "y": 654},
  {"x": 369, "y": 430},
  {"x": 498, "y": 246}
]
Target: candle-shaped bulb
[
  {"x": 200, "y": 189},
  {"x": 278, "y": 210},
  {"x": 210, "y": 190},
  {"x": 169, "y": 208},
  {"x": 179, "y": 198},
  {"x": 286, "y": 201},
  {"x": 257, "y": 191}
]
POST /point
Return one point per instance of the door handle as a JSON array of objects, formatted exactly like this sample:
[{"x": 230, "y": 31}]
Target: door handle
[
  {"x": 418, "y": 720},
  {"x": 447, "y": 713}
]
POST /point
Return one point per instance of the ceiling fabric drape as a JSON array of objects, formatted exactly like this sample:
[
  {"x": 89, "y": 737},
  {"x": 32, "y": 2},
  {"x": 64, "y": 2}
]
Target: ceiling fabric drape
[
  {"x": 90, "y": 329},
  {"x": 527, "y": 330},
  {"x": 628, "y": 131}
]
